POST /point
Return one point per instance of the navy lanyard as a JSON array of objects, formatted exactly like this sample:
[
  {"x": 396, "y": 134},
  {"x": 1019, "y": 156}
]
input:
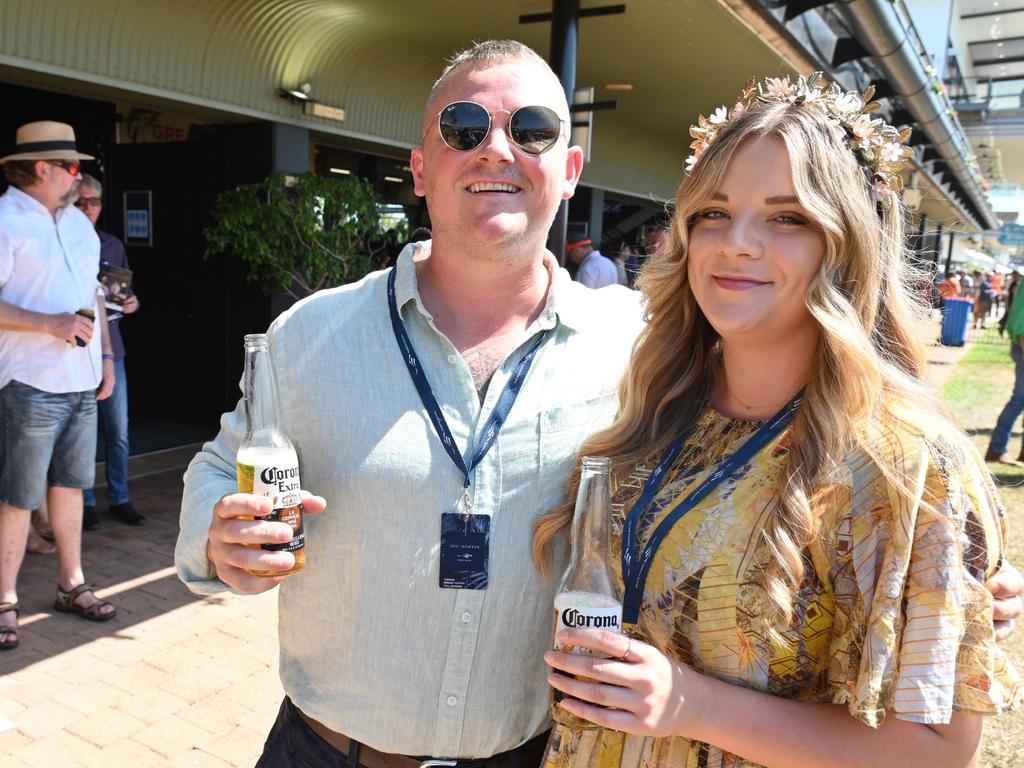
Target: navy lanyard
[
  {"x": 419, "y": 379},
  {"x": 635, "y": 565}
]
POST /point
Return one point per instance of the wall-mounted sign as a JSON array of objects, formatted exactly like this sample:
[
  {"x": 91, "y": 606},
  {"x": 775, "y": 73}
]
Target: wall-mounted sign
[
  {"x": 138, "y": 218},
  {"x": 1011, "y": 234},
  {"x": 316, "y": 109},
  {"x": 151, "y": 126}
]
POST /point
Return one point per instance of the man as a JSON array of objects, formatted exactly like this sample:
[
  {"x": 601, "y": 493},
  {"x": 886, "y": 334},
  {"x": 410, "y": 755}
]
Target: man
[
  {"x": 113, "y": 412},
  {"x": 376, "y": 656},
  {"x": 373, "y": 650},
  {"x": 53, "y": 365},
  {"x": 593, "y": 269},
  {"x": 1000, "y": 441}
]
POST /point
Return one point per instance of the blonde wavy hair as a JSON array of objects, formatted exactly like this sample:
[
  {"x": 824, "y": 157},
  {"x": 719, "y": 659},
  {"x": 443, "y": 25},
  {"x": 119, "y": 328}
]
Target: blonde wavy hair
[{"x": 867, "y": 367}]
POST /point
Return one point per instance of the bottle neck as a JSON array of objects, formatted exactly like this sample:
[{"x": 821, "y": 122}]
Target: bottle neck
[
  {"x": 590, "y": 523},
  {"x": 260, "y": 389},
  {"x": 589, "y": 569}
]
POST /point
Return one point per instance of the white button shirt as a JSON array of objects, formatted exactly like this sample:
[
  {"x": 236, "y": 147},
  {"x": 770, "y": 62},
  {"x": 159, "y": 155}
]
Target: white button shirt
[
  {"x": 48, "y": 266},
  {"x": 371, "y": 646}
]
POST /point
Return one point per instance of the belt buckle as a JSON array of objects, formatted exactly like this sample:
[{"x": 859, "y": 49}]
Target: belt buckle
[{"x": 439, "y": 764}]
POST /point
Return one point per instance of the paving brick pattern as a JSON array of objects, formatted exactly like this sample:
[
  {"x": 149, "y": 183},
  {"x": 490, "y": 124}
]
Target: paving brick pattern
[{"x": 174, "y": 679}]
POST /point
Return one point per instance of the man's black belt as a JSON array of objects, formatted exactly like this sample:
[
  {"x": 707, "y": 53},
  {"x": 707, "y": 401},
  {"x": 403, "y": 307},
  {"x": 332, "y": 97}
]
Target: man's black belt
[{"x": 358, "y": 755}]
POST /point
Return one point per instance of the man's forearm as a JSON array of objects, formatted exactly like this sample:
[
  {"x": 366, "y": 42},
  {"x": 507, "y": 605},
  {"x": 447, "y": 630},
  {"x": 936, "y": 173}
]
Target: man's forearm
[
  {"x": 14, "y": 318},
  {"x": 108, "y": 347}
]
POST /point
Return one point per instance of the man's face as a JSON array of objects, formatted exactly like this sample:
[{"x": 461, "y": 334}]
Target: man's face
[
  {"x": 56, "y": 184},
  {"x": 496, "y": 194},
  {"x": 90, "y": 203}
]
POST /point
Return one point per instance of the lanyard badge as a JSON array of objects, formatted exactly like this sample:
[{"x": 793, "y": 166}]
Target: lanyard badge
[{"x": 465, "y": 536}]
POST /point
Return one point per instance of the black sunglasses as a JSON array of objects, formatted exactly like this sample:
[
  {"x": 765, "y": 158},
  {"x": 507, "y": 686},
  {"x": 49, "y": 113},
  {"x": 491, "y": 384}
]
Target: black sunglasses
[
  {"x": 465, "y": 124},
  {"x": 71, "y": 166}
]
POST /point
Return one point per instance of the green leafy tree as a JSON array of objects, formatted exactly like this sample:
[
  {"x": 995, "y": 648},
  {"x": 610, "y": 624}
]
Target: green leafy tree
[{"x": 301, "y": 233}]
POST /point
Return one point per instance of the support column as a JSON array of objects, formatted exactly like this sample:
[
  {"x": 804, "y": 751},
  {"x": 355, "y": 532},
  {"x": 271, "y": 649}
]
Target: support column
[
  {"x": 564, "y": 41},
  {"x": 595, "y": 217}
]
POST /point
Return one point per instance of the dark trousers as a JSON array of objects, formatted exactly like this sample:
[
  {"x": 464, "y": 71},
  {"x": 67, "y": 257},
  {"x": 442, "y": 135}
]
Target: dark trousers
[{"x": 293, "y": 744}]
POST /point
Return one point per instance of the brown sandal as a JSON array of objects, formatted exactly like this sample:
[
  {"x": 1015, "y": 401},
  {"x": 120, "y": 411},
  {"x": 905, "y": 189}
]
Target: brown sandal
[
  {"x": 7, "y": 645},
  {"x": 65, "y": 603}
]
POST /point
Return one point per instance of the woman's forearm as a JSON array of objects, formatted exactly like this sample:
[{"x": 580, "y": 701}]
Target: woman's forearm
[{"x": 779, "y": 733}]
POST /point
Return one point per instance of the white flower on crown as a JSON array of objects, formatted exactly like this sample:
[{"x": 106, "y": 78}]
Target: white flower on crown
[
  {"x": 719, "y": 116},
  {"x": 892, "y": 152},
  {"x": 690, "y": 162},
  {"x": 849, "y": 103},
  {"x": 778, "y": 88}
]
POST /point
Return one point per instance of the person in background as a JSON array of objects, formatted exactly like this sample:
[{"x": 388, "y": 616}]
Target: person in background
[
  {"x": 113, "y": 412},
  {"x": 984, "y": 297},
  {"x": 1011, "y": 291},
  {"x": 56, "y": 362},
  {"x": 593, "y": 269}
]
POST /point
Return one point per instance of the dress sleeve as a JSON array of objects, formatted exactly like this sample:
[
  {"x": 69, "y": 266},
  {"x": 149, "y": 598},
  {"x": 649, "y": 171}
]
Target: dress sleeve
[{"x": 913, "y": 624}]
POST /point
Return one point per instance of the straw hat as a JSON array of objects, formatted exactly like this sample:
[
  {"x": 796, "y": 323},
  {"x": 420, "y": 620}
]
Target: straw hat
[{"x": 46, "y": 140}]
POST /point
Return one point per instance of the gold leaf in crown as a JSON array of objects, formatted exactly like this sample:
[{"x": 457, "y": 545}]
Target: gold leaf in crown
[{"x": 882, "y": 147}]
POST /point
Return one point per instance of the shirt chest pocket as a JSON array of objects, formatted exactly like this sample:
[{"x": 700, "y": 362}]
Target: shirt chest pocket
[{"x": 562, "y": 429}]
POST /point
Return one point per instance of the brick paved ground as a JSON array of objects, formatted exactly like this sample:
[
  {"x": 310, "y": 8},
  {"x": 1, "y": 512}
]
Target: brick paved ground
[{"x": 174, "y": 679}]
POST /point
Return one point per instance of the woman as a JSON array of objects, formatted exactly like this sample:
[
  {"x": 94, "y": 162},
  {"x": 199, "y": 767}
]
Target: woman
[{"x": 830, "y": 579}]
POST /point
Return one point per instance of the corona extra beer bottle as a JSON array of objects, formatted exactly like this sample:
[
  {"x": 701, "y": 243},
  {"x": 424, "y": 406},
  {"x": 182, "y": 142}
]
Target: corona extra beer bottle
[
  {"x": 266, "y": 464},
  {"x": 588, "y": 595}
]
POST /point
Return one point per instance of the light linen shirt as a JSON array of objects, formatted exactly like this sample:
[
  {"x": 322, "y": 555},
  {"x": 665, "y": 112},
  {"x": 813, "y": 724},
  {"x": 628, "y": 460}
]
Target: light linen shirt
[
  {"x": 597, "y": 271},
  {"x": 48, "y": 266},
  {"x": 371, "y": 646}
]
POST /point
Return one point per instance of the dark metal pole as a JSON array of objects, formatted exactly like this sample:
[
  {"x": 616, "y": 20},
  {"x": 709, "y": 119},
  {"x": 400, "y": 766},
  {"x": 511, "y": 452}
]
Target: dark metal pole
[
  {"x": 949, "y": 253},
  {"x": 564, "y": 39},
  {"x": 922, "y": 242}
]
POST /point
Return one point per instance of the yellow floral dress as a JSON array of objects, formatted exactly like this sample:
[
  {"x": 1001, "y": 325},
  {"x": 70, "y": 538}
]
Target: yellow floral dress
[{"x": 892, "y": 616}]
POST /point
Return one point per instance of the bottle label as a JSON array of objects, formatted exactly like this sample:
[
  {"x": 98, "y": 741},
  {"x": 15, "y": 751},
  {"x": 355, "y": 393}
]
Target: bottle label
[
  {"x": 275, "y": 475},
  {"x": 586, "y": 610}
]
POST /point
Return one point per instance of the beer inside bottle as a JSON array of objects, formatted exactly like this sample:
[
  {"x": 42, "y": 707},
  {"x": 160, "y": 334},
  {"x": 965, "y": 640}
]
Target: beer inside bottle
[
  {"x": 588, "y": 595},
  {"x": 266, "y": 464}
]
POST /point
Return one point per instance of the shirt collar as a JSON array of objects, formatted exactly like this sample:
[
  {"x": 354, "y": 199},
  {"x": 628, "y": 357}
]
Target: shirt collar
[
  {"x": 562, "y": 305},
  {"x": 25, "y": 201}
]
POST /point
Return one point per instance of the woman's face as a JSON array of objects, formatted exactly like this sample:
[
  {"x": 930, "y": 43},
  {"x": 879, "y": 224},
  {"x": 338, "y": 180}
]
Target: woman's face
[{"x": 754, "y": 250}]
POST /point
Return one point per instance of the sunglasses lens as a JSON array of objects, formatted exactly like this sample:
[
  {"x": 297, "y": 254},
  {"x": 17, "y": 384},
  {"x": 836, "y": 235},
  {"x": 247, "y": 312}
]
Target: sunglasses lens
[
  {"x": 535, "y": 129},
  {"x": 463, "y": 125}
]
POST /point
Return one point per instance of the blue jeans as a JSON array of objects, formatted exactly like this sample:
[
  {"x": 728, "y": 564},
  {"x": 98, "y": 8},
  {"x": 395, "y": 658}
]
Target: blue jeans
[
  {"x": 1004, "y": 424},
  {"x": 46, "y": 438},
  {"x": 114, "y": 421}
]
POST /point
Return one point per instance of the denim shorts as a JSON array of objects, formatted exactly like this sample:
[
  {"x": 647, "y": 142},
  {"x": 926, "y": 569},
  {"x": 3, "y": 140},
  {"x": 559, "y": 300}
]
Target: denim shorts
[{"x": 46, "y": 438}]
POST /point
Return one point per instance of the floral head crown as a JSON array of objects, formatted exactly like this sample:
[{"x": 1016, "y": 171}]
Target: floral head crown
[{"x": 881, "y": 145}]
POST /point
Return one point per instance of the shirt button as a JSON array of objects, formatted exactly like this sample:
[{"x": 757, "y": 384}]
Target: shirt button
[
  {"x": 467, "y": 617},
  {"x": 452, "y": 701},
  {"x": 453, "y": 359}
]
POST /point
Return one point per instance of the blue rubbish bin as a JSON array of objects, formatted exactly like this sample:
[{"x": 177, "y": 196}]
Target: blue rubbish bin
[{"x": 956, "y": 317}]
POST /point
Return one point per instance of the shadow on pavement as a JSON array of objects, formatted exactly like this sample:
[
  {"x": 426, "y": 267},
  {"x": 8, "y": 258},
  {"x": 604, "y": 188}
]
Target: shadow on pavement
[{"x": 131, "y": 566}]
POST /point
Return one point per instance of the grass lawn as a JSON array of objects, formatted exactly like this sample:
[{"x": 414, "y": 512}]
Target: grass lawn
[{"x": 979, "y": 386}]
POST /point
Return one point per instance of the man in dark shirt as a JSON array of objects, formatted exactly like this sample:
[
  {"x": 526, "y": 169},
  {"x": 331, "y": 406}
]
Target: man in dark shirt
[{"x": 113, "y": 410}]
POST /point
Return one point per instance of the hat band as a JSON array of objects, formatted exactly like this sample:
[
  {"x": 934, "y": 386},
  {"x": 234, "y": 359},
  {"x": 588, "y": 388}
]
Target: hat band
[
  {"x": 45, "y": 146},
  {"x": 579, "y": 244}
]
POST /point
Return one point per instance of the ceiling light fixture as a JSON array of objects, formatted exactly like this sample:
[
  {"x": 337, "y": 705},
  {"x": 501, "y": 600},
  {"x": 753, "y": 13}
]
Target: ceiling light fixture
[
  {"x": 393, "y": 178},
  {"x": 342, "y": 171},
  {"x": 300, "y": 94},
  {"x": 619, "y": 87}
]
